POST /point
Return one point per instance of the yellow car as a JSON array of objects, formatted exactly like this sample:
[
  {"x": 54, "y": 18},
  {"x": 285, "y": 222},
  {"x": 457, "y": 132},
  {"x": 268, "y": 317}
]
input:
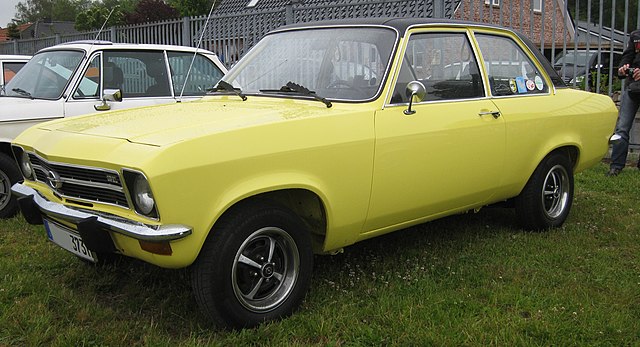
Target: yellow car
[{"x": 323, "y": 135}]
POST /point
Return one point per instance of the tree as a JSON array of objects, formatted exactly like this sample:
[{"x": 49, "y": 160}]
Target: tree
[
  {"x": 57, "y": 10},
  {"x": 96, "y": 16},
  {"x": 151, "y": 11},
  {"x": 12, "y": 31},
  {"x": 188, "y": 8}
]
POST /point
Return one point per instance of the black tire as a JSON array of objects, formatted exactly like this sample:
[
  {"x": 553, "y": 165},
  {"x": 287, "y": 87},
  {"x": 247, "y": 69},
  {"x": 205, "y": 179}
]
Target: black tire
[
  {"x": 255, "y": 266},
  {"x": 546, "y": 200},
  {"x": 9, "y": 175}
]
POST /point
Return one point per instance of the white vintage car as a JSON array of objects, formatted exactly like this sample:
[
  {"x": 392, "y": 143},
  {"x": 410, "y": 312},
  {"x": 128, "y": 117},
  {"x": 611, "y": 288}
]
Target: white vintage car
[{"x": 83, "y": 77}]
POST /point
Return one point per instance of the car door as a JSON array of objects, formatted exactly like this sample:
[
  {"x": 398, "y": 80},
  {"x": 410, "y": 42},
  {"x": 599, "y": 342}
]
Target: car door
[
  {"x": 524, "y": 97},
  {"x": 142, "y": 76},
  {"x": 449, "y": 154}
]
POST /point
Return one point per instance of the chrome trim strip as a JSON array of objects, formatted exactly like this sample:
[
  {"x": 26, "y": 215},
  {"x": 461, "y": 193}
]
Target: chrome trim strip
[
  {"x": 98, "y": 185},
  {"x": 126, "y": 227}
]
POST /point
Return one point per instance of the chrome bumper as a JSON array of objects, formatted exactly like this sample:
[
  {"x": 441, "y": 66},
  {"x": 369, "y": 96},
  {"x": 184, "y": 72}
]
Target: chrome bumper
[{"x": 34, "y": 206}]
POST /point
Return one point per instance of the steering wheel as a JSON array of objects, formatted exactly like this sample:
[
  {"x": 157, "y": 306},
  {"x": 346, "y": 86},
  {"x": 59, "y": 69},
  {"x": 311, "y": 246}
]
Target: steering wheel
[{"x": 338, "y": 83}]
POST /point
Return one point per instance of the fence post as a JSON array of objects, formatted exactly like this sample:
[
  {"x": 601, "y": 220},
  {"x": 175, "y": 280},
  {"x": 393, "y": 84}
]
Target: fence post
[
  {"x": 114, "y": 36},
  {"x": 15, "y": 47},
  {"x": 288, "y": 14},
  {"x": 58, "y": 40},
  {"x": 438, "y": 8},
  {"x": 186, "y": 32}
]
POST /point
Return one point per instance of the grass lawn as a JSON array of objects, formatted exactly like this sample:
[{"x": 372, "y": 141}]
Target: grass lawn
[{"x": 468, "y": 280}]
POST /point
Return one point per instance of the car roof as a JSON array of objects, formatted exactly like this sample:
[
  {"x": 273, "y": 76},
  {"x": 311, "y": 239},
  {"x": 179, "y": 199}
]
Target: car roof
[
  {"x": 400, "y": 24},
  {"x": 107, "y": 45}
]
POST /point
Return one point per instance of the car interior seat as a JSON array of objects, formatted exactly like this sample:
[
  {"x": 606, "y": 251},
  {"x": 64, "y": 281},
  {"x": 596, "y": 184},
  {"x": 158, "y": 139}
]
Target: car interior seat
[
  {"x": 157, "y": 70},
  {"x": 113, "y": 76}
]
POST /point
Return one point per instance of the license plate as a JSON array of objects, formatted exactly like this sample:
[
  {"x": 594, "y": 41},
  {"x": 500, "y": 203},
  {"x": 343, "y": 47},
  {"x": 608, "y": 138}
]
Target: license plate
[{"x": 68, "y": 239}]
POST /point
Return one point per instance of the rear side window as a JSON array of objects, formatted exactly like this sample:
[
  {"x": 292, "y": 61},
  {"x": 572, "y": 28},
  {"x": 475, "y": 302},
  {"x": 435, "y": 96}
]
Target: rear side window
[
  {"x": 204, "y": 73},
  {"x": 509, "y": 69}
]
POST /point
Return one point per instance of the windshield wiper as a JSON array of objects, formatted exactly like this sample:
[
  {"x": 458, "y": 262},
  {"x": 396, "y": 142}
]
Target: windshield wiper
[
  {"x": 291, "y": 87},
  {"x": 22, "y": 92},
  {"x": 227, "y": 87}
]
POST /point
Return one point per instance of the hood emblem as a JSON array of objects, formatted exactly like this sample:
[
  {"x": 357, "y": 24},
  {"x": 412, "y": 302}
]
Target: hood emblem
[{"x": 54, "y": 179}]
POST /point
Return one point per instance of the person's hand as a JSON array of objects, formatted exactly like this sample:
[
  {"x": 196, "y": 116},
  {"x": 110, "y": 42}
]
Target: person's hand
[
  {"x": 622, "y": 71},
  {"x": 636, "y": 74}
]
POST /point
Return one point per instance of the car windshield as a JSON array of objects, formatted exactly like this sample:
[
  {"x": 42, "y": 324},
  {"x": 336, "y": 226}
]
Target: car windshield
[
  {"x": 45, "y": 76},
  {"x": 574, "y": 58},
  {"x": 337, "y": 63}
]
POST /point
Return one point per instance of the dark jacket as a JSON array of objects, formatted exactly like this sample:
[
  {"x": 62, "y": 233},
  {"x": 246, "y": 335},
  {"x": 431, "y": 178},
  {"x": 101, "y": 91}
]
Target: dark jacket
[{"x": 631, "y": 54}]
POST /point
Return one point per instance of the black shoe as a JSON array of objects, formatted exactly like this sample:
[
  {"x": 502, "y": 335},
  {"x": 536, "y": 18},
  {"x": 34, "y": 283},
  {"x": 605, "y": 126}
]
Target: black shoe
[{"x": 613, "y": 172}]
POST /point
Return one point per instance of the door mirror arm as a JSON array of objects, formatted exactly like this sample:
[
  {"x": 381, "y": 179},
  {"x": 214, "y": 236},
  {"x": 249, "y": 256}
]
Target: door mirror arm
[
  {"x": 415, "y": 89},
  {"x": 114, "y": 95}
]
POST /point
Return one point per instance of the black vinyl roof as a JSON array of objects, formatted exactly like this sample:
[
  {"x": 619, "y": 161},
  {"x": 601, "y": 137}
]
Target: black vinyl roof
[{"x": 400, "y": 24}]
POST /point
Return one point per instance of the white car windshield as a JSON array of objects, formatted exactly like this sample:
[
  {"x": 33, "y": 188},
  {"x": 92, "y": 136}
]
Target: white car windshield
[
  {"x": 337, "y": 63},
  {"x": 45, "y": 76}
]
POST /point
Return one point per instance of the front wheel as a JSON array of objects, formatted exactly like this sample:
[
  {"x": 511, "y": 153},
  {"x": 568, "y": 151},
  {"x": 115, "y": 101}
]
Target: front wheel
[
  {"x": 546, "y": 199},
  {"x": 255, "y": 266}
]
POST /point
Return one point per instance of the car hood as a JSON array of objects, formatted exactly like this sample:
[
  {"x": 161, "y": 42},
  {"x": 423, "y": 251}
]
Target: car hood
[{"x": 167, "y": 124}]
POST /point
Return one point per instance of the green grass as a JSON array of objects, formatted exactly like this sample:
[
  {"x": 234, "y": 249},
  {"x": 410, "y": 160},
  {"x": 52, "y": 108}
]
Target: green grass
[{"x": 468, "y": 280}]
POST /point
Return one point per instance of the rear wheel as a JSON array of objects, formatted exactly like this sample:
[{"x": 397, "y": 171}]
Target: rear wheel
[
  {"x": 546, "y": 200},
  {"x": 9, "y": 175},
  {"x": 255, "y": 266}
]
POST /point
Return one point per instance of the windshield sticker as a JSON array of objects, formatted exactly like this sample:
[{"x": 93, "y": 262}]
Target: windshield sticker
[
  {"x": 531, "y": 85},
  {"x": 539, "y": 83},
  {"x": 512, "y": 86},
  {"x": 522, "y": 88}
]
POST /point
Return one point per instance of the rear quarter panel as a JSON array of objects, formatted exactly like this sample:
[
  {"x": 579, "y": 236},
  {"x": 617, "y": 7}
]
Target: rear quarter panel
[{"x": 537, "y": 125}]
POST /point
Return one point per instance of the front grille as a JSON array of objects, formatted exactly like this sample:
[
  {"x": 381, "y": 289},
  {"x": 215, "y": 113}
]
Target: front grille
[{"x": 77, "y": 182}]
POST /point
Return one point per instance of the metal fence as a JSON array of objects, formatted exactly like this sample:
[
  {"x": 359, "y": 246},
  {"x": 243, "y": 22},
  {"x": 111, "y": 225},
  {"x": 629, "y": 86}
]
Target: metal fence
[{"x": 550, "y": 23}]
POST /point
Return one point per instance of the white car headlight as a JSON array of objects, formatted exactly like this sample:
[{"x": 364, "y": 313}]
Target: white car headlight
[
  {"x": 23, "y": 162},
  {"x": 140, "y": 193},
  {"x": 143, "y": 196},
  {"x": 25, "y": 165}
]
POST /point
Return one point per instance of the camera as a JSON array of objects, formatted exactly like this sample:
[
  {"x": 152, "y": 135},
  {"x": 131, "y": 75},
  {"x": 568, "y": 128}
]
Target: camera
[{"x": 630, "y": 71}]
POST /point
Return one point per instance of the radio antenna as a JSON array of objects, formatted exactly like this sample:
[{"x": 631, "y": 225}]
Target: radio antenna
[
  {"x": 102, "y": 28},
  {"x": 186, "y": 78}
]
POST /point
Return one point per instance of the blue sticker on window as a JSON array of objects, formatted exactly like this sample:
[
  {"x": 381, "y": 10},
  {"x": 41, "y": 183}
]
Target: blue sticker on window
[{"x": 522, "y": 86}]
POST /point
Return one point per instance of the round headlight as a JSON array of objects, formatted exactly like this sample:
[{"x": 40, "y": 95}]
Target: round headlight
[
  {"x": 143, "y": 196},
  {"x": 25, "y": 165}
]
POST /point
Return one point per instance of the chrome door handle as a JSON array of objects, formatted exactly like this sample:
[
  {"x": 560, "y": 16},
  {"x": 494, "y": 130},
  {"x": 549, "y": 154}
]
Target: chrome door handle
[{"x": 495, "y": 114}]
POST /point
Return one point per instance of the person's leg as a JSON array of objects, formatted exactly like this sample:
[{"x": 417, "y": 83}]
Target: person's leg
[{"x": 628, "y": 108}]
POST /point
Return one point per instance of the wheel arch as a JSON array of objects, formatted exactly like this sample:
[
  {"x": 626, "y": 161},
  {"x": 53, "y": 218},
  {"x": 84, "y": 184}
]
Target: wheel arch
[
  {"x": 305, "y": 203},
  {"x": 5, "y": 147}
]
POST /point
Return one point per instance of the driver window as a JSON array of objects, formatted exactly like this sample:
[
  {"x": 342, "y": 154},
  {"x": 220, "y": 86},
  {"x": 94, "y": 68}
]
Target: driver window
[
  {"x": 444, "y": 63},
  {"x": 89, "y": 87}
]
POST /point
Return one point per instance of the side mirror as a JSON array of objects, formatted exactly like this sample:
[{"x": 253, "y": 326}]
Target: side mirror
[
  {"x": 112, "y": 95},
  {"x": 415, "y": 89},
  {"x": 108, "y": 95}
]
